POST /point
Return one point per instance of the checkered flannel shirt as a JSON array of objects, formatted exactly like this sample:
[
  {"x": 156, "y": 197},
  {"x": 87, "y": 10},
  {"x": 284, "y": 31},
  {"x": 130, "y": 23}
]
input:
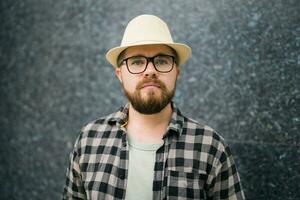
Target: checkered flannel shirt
[{"x": 193, "y": 163}]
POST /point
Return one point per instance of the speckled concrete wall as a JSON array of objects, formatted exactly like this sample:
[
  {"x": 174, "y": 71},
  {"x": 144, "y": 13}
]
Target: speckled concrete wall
[{"x": 243, "y": 80}]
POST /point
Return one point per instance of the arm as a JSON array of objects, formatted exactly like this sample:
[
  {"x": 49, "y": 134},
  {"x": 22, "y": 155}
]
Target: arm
[
  {"x": 226, "y": 181},
  {"x": 74, "y": 188}
]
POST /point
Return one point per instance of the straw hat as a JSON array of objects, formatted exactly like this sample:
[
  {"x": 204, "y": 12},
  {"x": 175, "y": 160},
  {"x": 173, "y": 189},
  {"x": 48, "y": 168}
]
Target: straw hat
[{"x": 147, "y": 30}]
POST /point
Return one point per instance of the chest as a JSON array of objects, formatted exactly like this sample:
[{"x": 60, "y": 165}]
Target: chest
[{"x": 179, "y": 173}]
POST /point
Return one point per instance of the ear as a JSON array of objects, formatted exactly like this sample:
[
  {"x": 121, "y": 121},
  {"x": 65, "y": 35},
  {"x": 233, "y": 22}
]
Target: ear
[
  {"x": 178, "y": 70},
  {"x": 118, "y": 73}
]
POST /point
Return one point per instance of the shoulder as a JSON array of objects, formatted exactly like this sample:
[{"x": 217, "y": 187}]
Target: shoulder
[
  {"x": 98, "y": 125},
  {"x": 97, "y": 131},
  {"x": 196, "y": 132},
  {"x": 204, "y": 138},
  {"x": 198, "y": 129},
  {"x": 210, "y": 145}
]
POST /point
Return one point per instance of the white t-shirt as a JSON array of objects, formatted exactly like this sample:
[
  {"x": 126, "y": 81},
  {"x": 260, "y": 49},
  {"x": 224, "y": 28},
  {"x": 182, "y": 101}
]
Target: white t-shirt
[{"x": 140, "y": 170}]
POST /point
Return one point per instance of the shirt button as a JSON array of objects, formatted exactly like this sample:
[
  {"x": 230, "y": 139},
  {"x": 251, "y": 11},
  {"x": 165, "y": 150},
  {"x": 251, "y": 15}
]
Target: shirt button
[{"x": 121, "y": 176}]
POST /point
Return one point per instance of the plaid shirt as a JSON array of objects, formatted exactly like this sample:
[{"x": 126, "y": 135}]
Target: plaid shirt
[{"x": 193, "y": 163}]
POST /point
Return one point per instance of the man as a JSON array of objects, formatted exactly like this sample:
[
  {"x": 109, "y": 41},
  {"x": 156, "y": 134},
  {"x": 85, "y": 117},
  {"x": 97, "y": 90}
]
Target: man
[{"x": 148, "y": 149}]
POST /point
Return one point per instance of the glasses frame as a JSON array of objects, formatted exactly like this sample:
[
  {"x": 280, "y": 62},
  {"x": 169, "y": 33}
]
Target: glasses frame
[{"x": 150, "y": 59}]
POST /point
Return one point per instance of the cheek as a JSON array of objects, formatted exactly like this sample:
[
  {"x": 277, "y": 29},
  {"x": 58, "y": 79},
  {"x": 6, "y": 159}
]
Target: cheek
[
  {"x": 170, "y": 83},
  {"x": 129, "y": 84}
]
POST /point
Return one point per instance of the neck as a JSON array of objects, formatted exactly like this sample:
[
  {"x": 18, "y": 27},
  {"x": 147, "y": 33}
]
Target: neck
[{"x": 148, "y": 128}]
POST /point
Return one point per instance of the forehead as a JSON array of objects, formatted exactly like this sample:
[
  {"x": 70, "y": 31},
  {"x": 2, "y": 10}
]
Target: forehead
[{"x": 149, "y": 50}]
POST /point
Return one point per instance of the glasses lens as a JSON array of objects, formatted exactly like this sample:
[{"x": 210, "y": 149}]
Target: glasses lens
[
  {"x": 136, "y": 64},
  {"x": 163, "y": 63}
]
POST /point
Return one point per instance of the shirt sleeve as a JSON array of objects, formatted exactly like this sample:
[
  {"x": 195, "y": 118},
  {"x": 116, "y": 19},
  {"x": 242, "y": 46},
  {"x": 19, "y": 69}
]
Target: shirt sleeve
[
  {"x": 226, "y": 183},
  {"x": 74, "y": 188}
]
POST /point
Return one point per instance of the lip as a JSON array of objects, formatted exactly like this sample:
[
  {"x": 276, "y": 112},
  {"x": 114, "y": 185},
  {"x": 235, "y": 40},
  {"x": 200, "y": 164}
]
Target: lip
[{"x": 150, "y": 85}]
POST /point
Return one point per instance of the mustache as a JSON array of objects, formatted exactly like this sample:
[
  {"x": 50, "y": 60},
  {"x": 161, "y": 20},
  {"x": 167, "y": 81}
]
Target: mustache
[{"x": 150, "y": 80}]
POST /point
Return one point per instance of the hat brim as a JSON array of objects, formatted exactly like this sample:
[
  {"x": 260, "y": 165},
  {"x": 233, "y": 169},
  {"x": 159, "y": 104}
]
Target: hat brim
[{"x": 183, "y": 51}]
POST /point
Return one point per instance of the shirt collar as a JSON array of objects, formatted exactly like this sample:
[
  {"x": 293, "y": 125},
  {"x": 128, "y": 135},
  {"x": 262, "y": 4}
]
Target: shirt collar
[
  {"x": 119, "y": 117},
  {"x": 177, "y": 120},
  {"x": 175, "y": 126}
]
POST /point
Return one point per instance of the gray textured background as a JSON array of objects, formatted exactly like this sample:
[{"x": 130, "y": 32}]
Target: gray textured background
[{"x": 243, "y": 80}]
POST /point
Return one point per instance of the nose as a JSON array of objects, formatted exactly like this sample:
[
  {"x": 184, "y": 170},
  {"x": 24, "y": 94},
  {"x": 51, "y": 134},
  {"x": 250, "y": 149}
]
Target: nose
[{"x": 150, "y": 70}]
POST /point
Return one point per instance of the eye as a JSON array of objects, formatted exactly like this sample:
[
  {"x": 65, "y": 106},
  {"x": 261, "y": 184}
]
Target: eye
[
  {"x": 162, "y": 60},
  {"x": 138, "y": 61}
]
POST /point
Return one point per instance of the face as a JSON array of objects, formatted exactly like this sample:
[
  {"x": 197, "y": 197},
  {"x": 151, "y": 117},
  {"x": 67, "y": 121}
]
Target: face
[{"x": 150, "y": 91}]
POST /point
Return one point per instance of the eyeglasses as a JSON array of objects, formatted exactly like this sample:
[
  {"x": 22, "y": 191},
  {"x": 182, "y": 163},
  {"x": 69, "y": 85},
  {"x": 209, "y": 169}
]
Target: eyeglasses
[{"x": 138, "y": 64}]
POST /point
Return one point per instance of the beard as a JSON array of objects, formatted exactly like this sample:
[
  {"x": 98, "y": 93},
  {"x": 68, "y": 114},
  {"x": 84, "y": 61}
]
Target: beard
[{"x": 154, "y": 101}]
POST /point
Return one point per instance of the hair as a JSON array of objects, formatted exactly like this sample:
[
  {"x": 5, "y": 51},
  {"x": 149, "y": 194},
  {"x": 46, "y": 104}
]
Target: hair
[
  {"x": 122, "y": 55},
  {"x": 120, "y": 58}
]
